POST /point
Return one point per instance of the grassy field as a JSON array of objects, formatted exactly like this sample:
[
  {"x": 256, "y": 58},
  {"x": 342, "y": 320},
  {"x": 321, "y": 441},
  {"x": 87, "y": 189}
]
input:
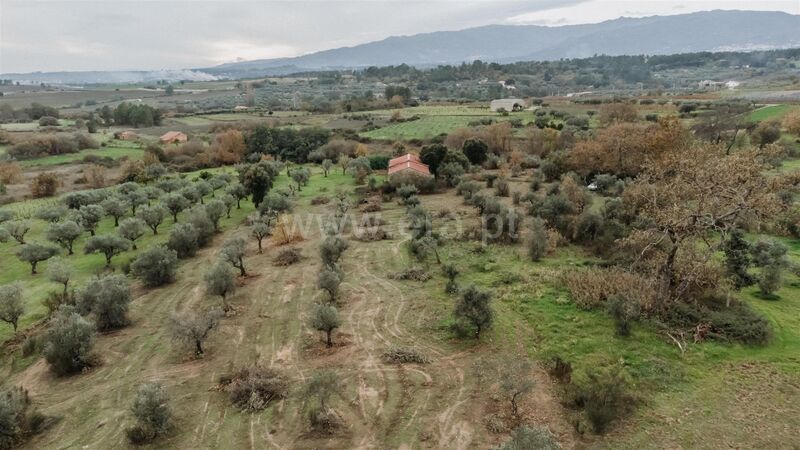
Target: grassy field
[
  {"x": 771, "y": 112},
  {"x": 110, "y": 152},
  {"x": 714, "y": 396}
]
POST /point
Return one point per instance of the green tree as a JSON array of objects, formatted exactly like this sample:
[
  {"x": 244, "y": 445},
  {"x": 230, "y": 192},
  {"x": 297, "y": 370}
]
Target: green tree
[
  {"x": 132, "y": 229},
  {"x": 326, "y": 166},
  {"x": 152, "y": 413},
  {"x": 68, "y": 341},
  {"x": 329, "y": 280},
  {"x": 12, "y": 305},
  {"x": 737, "y": 259},
  {"x": 175, "y": 203},
  {"x": 34, "y": 253},
  {"x": 115, "y": 207},
  {"x": 433, "y": 155},
  {"x": 108, "y": 244},
  {"x": 17, "y": 229},
  {"x": 183, "y": 239},
  {"x": 193, "y": 329},
  {"x": 155, "y": 266},
  {"x": 215, "y": 210},
  {"x": 770, "y": 257},
  {"x": 64, "y": 234},
  {"x": 258, "y": 179},
  {"x": 474, "y": 308},
  {"x": 52, "y": 213},
  {"x": 475, "y": 150},
  {"x": 153, "y": 216},
  {"x": 107, "y": 299},
  {"x": 259, "y": 231},
  {"x": 325, "y": 318},
  {"x": 221, "y": 281},
  {"x": 59, "y": 271},
  {"x": 233, "y": 251}
]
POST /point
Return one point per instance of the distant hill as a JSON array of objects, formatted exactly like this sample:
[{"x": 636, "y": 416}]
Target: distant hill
[{"x": 685, "y": 33}]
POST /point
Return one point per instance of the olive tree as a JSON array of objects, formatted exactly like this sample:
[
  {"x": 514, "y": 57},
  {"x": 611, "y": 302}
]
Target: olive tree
[
  {"x": 4, "y": 236},
  {"x": 473, "y": 308},
  {"x": 152, "y": 413},
  {"x": 155, "y": 266},
  {"x": 326, "y": 166},
  {"x": 115, "y": 207},
  {"x": 17, "y": 229},
  {"x": 193, "y": 329},
  {"x": 52, "y": 214},
  {"x": 183, "y": 239},
  {"x": 537, "y": 243},
  {"x": 89, "y": 216},
  {"x": 329, "y": 280},
  {"x": 107, "y": 300},
  {"x": 12, "y": 305},
  {"x": 132, "y": 229},
  {"x": 153, "y": 216},
  {"x": 229, "y": 201},
  {"x": 136, "y": 199},
  {"x": 259, "y": 231},
  {"x": 64, "y": 234},
  {"x": 34, "y": 253},
  {"x": 215, "y": 210},
  {"x": 59, "y": 271},
  {"x": 68, "y": 341},
  {"x": 325, "y": 318},
  {"x": 198, "y": 217},
  {"x": 233, "y": 251},
  {"x": 331, "y": 250},
  {"x": 175, "y": 203},
  {"x": 109, "y": 245},
  {"x": 221, "y": 281},
  {"x": 237, "y": 191}
]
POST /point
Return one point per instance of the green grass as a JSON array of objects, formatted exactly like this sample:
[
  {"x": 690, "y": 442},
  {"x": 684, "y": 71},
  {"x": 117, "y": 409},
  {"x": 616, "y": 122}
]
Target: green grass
[
  {"x": 111, "y": 152},
  {"x": 769, "y": 113}
]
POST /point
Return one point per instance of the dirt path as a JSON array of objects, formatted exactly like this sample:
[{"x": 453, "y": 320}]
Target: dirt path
[{"x": 384, "y": 405}]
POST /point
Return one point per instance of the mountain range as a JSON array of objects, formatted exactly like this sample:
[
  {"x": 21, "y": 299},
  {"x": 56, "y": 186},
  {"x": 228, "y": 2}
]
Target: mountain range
[{"x": 685, "y": 33}]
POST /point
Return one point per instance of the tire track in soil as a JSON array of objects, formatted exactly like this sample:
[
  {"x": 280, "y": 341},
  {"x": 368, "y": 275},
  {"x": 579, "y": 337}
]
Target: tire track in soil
[{"x": 450, "y": 431}]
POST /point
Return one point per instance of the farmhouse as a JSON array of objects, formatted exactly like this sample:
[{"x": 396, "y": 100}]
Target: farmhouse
[
  {"x": 408, "y": 164},
  {"x": 507, "y": 104},
  {"x": 173, "y": 137},
  {"x": 126, "y": 135}
]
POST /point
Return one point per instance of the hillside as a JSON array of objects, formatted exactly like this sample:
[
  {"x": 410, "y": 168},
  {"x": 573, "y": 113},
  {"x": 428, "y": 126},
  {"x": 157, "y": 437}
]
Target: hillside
[{"x": 721, "y": 30}]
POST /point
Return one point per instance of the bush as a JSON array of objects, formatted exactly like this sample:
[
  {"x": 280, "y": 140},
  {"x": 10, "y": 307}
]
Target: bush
[
  {"x": 287, "y": 257},
  {"x": 713, "y": 319},
  {"x": 527, "y": 438},
  {"x": 183, "y": 240},
  {"x": 405, "y": 355},
  {"x": 152, "y": 413},
  {"x": 603, "y": 396},
  {"x": 107, "y": 300},
  {"x": 623, "y": 313},
  {"x": 155, "y": 266},
  {"x": 68, "y": 341},
  {"x": 18, "y": 418},
  {"x": 254, "y": 388},
  {"x": 45, "y": 185},
  {"x": 48, "y": 121}
]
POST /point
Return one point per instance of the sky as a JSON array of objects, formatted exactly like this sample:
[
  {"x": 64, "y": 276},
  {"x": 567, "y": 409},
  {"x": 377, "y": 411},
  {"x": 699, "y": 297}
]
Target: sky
[{"x": 66, "y": 35}]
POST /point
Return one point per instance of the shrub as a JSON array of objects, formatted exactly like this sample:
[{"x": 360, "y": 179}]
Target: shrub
[
  {"x": 45, "y": 185},
  {"x": 501, "y": 187},
  {"x": 537, "y": 243},
  {"x": 155, "y": 266},
  {"x": 152, "y": 413},
  {"x": 18, "y": 418},
  {"x": 68, "y": 341},
  {"x": 623, "y": 313},
  {"x": 183, "y": 239},
  {"x": 603, "y": 396},
  {"x": 593, "y": 287},
  {"x": 527, "y": 438},
  {"x": 287, "y": 257},
  {"x": 254, "y": 388},
  {"x": 107, "y": 300},
  {"x": 473, "y": 309},
  {"x": 405, "y": 355}
]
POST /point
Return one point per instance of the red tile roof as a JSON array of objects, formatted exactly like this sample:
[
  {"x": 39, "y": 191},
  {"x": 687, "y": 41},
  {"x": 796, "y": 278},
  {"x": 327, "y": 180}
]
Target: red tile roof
[
  {"x": 410, "y": 165},
  {"x": 405, "y": 158},
  {"x": 171, "y": 136}
]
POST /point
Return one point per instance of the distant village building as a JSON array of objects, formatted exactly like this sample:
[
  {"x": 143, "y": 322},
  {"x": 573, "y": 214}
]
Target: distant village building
[
  {"x": 408, "y": 164},
  {"x": 711, "y": 84},
  {"x": 126, "y": 135},
  {"x": 175, "y": 137},
  {"x": 507, "y": 104}
]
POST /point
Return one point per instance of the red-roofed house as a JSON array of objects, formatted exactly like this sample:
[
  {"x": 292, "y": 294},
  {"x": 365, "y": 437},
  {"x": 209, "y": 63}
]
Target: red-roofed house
[
  {"x": 408, "y": 164},
  {"x": 173, "y": 137}
]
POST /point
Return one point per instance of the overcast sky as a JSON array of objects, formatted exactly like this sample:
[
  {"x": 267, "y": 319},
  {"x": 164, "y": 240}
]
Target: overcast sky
[{"x": 153, "y": 34}]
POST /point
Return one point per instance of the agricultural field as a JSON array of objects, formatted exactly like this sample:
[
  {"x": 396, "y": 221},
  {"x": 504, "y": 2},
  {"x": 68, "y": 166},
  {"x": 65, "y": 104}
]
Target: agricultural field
[{"x": 770, "y": 112}]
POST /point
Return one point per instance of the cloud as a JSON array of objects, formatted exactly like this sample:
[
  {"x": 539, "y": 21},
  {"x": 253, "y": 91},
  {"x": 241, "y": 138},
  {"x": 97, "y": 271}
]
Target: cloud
[{"x": 157, "y": 34}]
